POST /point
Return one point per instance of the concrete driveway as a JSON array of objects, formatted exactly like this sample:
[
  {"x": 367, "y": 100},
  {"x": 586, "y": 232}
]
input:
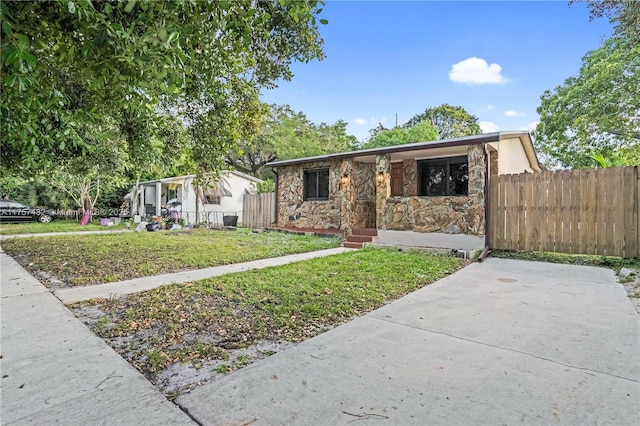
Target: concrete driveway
[{"x": 499, "y": 342}]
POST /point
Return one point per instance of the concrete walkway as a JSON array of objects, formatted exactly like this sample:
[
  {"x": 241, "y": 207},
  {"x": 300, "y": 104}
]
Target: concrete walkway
[
  {"x": 77, "y": 294},
  {"x": 499, "y": 342},
  {"x": 55, "y": 370}
]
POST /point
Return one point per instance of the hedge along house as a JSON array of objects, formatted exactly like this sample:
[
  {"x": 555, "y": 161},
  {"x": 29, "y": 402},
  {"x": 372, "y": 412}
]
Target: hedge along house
[{"x": 428, "y": 194}]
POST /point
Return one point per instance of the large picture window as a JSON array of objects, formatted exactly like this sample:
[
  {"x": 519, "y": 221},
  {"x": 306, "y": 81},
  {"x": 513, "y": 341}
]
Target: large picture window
[
  {"x": 316, "y": 184},
  {"x": 444, "y": 176}
]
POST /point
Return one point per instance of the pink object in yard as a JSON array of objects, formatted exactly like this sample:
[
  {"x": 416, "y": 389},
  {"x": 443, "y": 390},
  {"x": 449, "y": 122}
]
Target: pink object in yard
[{"x": 86, "y": 217}]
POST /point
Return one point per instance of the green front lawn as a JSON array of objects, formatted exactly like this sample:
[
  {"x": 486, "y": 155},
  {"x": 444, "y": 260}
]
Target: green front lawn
[
  {"x": 55, "y": 226},
  {"x": 219, "y": 320},
  {"x": 102, "y": 258}
]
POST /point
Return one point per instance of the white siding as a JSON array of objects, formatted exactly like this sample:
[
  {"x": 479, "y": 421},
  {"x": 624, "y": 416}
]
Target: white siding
[
  {"x": 237, "y": 185},
  {"x": 512, "y": 158}
]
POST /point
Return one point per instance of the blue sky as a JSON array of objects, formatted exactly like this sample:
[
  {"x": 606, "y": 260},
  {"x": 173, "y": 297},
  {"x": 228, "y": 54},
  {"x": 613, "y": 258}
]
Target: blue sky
[{"x": 400, "y": 57}]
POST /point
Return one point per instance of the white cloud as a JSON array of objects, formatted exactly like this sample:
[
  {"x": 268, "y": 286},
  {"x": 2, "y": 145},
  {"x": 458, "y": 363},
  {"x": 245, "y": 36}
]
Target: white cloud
[
  {"x": 489, "y": 107},
  {"x": 512, "y": 113},
  {"x": 360, "y": 121},
  {"x": 530, "y": 127},
  {"x": 476, "y": 71},
  {"x": 488, "y": 127}
]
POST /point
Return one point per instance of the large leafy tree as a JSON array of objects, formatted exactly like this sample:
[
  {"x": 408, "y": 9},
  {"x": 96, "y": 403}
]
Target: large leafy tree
[
  {"x": 66, "y": 65},
  {"x": 84, "y": 177},
  {"x": 284, "y": 134},
  {"x": 450, "y": 121},
  {"x": 623, "y": 14},
  {"x": 596, "y": 112},
  {"x": 421, "y": 132},
  {"x": 592, "y": 119}
]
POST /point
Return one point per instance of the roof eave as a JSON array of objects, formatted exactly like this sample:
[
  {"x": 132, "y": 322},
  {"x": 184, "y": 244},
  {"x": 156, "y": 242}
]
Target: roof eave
[{"x": 467, "y": 140}]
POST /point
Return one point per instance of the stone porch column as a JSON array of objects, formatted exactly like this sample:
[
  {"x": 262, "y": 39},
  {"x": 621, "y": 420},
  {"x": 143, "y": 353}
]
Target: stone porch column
[
  {"x": 476, "y": 212},
  {"x": 348, "y": 193},
  {"x": 383, "y": 187}
]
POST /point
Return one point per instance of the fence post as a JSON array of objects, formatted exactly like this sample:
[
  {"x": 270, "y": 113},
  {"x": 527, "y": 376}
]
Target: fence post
[{"x": 636, "y": 171}]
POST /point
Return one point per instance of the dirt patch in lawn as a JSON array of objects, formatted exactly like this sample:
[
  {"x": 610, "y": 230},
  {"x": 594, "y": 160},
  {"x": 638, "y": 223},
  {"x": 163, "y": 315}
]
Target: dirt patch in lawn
[{"x": 202, "y": 365}]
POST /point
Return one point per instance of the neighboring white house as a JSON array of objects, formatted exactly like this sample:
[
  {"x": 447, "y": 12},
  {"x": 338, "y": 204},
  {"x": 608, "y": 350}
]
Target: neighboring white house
[{"x": 155, "y": 196}]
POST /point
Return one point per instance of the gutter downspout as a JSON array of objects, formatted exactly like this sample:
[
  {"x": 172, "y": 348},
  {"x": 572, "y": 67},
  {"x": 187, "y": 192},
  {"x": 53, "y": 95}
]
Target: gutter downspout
[{"x": 485, "y": 251}]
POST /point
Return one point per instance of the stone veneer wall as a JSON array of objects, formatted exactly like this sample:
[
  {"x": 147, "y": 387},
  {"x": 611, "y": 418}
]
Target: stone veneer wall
[
  {"x": 364, "y": 205},
  {"x": 410, "y": 178},
  {"x": 294, "y": 212},
  {"x": 383, "y": 188},
  {"x": 451, "y": 215}
]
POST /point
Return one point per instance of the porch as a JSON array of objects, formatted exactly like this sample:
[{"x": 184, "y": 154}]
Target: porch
[{"x": 155, "y": 197}]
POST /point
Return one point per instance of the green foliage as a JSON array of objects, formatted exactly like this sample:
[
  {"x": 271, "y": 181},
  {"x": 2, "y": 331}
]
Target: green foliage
[
  {"x": 157, "y": 360},
  {"x": 449, "y": 121},
  {"x": 421, "y": 132},
  {"x": 441, "y": 122},
  {"x": 624, "y": 14},
  {"x": 266, "y": 186},
  {"x": 67, "y": 66},
  {"x": 285, "y": 134},
  {"x": 35, "y": 191},
  {"x": 595, "y": 112},
  {"x": 222, "y": 369},
  {"x": 627, "y": 156}
]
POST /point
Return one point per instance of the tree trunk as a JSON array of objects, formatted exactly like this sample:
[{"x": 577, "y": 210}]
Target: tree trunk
[{"x": 135, "y": 193}]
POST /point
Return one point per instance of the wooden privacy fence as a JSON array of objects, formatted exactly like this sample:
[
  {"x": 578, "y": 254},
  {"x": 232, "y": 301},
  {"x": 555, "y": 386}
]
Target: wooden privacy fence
[
  {"x": 259, "y": 210},
  {"x": 586, "y": 211}
]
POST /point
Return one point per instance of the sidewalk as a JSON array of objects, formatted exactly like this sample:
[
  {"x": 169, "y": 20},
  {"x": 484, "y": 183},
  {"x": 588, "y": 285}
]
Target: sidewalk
[
  {"x": 55, "y": 370},
  {"x": 78, "y": 294}
]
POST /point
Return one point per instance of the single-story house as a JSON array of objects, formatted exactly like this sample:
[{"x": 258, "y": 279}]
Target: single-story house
[
  {"x": 154, "y": 196},
  {"x": 427, "y": 194}
]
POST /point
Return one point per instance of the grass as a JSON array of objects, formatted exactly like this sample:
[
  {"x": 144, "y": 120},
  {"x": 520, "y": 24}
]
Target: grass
[
  {"x": 55, "y": 226},
  {"x": 615, "y": 263},
  {"x": 202, "y": 320},
  {"x": 102, "y": 258}
]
